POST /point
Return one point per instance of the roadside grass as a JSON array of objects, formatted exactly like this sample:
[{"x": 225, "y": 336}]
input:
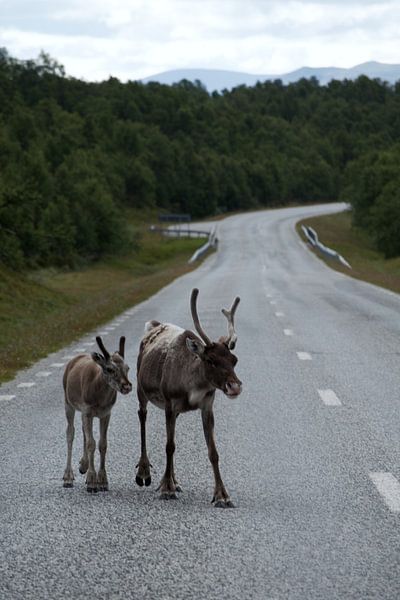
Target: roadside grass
[
  {"x": 336, "y": 232},
  {"x": 42, "y": 311}
]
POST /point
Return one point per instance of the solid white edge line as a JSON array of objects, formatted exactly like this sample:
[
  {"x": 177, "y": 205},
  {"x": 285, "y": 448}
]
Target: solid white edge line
[
  {"x": 304, "y": 356},
  {"x": 388, "y": 487},
  {"x": 329, "y": 398}
]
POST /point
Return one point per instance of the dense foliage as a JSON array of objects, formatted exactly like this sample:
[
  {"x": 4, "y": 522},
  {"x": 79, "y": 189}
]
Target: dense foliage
[{"x": 75, "y": 155}]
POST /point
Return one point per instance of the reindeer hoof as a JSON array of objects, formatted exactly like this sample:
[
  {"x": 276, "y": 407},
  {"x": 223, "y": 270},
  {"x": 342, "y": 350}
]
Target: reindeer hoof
[
  {"x": 103, "y": 488},
  {"x": 178, "y": 489},
  {"x": 68, "y": 484},
  {"x": 82, "y": 470},
  {"x": 168, "y": 496},
  {"x": 139, "y": 480},
  {"x": 147, "y": 481},
  {"x": 92, "y": 490},
  {"x": 224, "y": 504}
]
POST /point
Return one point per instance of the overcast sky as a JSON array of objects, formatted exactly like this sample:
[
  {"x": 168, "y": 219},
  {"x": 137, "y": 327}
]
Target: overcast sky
[{"x": 131, "y": 39}]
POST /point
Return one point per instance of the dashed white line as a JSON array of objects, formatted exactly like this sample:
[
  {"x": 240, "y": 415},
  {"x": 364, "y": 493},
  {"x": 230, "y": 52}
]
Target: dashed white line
[
  {"x": 288, "y": 331},
  {"x": 329, "y": 398},
  {"x": 6, "y": 397},
  {"x": 110, "y": 328},
  {"x": 389, "y": 488},
  {"x": 279, "y": 314},
  {"x": 304, "y": 356},
  {"x": 43, "y": 373},
  {"x": 26, "y": 384},
  {"x": 104, "y": 332},
  {"x": 57, "y": 365},
  {"x": 68, "y": 357},
  {"x": 79, "y": 349},
  {"x": 272, "y": 302}
]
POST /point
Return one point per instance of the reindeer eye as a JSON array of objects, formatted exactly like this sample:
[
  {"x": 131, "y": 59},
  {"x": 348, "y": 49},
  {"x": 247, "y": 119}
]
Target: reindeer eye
[{"x": 110, "y": 370}]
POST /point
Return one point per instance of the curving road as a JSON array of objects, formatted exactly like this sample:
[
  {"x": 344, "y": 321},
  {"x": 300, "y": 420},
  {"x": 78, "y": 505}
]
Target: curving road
[{"x": 310, "y": 452}]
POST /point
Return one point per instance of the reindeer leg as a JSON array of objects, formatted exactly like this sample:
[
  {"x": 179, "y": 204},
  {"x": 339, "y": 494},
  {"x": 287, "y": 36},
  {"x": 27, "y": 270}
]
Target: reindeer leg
[
  {"x": 221, "y": 497},
  {"x": 177, "y": 485},
  {"x": 143, "y": 466},
  {"x": 167, "y": 486},
  {"x": 90, "y": 446},
  {"x": 102, "y": 480},
  {"x": 68, "y": 473},
  {"x": 84, "y": 462}
]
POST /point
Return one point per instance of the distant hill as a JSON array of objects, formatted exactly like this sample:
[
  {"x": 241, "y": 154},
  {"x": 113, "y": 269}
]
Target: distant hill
[{"x": 214, "y": 79}]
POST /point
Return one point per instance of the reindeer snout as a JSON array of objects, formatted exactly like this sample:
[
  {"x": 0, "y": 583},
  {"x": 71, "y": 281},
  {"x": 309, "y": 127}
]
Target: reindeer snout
[
  {"x": 233, "y": 388},
  {"x": 126, "y": 388}
]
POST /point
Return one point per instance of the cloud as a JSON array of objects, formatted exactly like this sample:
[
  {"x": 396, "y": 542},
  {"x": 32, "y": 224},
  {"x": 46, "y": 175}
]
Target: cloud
[{"x": 135, "y": 38}]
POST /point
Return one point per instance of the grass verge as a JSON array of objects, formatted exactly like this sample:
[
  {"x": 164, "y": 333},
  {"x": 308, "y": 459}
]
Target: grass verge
[
  {"x": 43, "y": 311},
  {"x": 336, "y": 232}
]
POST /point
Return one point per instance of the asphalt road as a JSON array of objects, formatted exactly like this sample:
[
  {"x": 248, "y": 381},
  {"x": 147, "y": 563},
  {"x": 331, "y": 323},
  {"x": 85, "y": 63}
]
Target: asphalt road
[{"x": 310, "y": 452}]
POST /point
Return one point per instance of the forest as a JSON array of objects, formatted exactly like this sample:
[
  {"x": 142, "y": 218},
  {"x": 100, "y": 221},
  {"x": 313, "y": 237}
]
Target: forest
[{"x": 76, "y": 156}]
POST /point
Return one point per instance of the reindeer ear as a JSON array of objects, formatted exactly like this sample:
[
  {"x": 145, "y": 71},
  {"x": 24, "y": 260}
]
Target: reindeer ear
[
  {"x": 98, "y": 358},
  {"x": 195, "y": 346}
]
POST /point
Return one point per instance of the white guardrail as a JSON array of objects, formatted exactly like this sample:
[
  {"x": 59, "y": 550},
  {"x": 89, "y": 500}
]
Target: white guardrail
[
  {"x": 211, "y": 243},
  {"x": 312, "y": 237}
]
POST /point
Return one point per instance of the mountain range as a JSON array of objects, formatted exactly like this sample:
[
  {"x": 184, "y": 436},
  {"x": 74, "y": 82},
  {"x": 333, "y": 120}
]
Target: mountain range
[{"x": 218, "y": 80}]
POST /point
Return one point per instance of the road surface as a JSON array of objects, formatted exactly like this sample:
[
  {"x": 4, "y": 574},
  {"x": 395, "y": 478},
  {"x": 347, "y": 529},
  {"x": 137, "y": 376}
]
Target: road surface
[{"x": 310, "y": 452}]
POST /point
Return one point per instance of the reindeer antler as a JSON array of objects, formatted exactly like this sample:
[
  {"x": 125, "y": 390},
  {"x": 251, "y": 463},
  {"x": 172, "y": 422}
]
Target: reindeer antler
[
  {"x": 121, "y": 350},
  {"x": 230, "y": 341},
  {"x": 102, "y": 347},
  {"x": 195, "y": 317}
]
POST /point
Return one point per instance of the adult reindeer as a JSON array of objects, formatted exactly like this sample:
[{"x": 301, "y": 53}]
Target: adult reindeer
[
  {"x": 179, "y": 371},
  {"x": 90, "y": 384}
]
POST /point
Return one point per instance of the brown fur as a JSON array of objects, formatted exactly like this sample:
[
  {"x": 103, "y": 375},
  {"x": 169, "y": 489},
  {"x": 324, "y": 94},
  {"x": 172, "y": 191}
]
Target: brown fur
[
  {"x": 90, "y": 385},
  {"x": 178, "y": 372}
]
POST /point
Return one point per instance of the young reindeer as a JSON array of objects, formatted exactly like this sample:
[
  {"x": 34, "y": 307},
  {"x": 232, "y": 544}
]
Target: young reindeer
[
  {"x": 179, "y": 371},
  {"x": 91, "y": 383}
]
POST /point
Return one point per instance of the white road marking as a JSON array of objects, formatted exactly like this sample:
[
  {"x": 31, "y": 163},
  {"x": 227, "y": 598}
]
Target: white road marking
[
  {"x": 288, "y": 331},
  {"x": 79, "y": 350},
  {"x": 268, "y": 295},
  {"x": 272, "y": 301},
  {"x": 304, "y": 356},
  {"x": 90, "y": 343},
  {"x": 6, "y": 397},
  {"x": 57, "y": 365},
  {"x": 329, "y": 398},
  {"x": 389, "y": 488},
  {"x": 68, "y": 357},
  {"x": 27, "y": 384},
  {"x": 279, "y": 314},
  {"x": 43, "y": 373},
  {"x": 104, "y": 332},
  {"x": 110, "y": 328}
]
